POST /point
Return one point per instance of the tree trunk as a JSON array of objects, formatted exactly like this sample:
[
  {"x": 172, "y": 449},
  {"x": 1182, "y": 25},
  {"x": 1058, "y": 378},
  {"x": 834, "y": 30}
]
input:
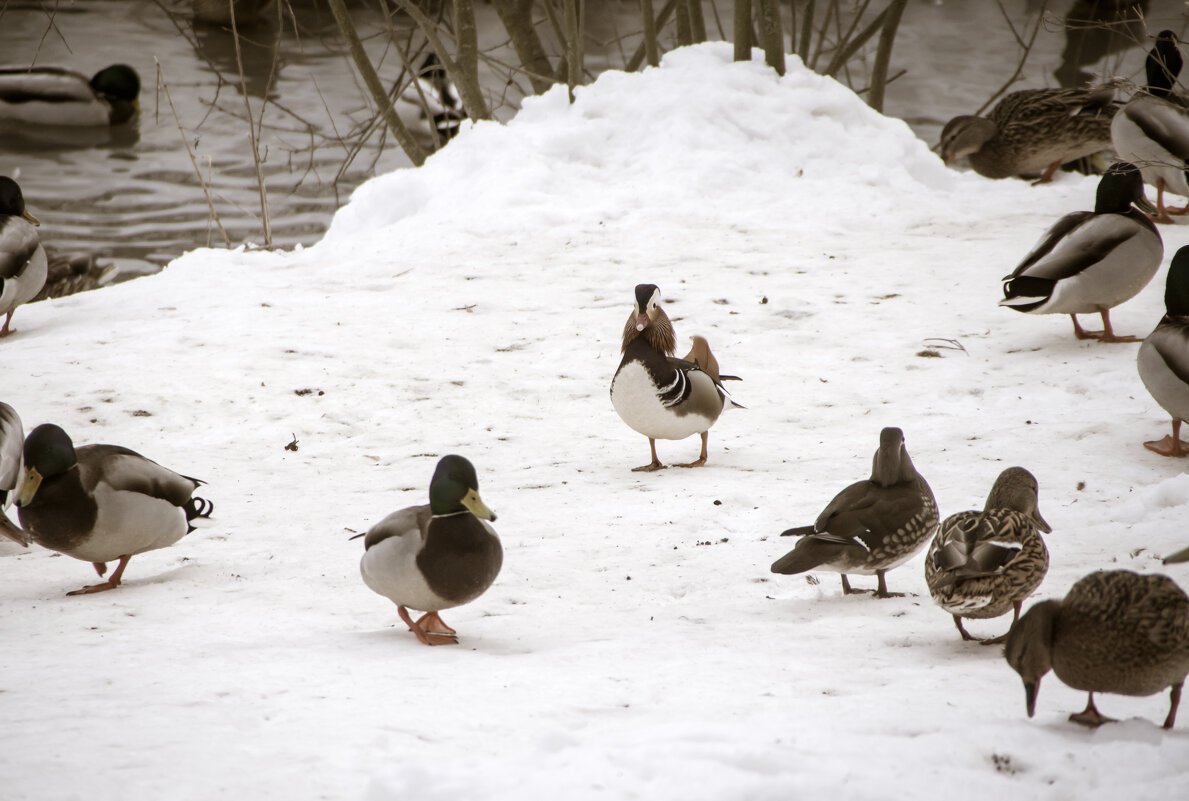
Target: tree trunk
[
  {"x": 405, "y": 139},
  {"x": 517, "y": 17},
  {"x": 772, "y": 34},
  {"x": 573, "y": 26},
  {"x": 651, "y": 48},
  {"x": 883, "y": 54},
  {"x": 697, "y": 21},
  {"x": 742, "y": 26}
]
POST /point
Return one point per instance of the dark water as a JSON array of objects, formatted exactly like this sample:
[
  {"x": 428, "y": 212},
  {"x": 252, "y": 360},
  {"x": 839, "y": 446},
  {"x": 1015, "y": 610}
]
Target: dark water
[{"x": 136, "y": 196}]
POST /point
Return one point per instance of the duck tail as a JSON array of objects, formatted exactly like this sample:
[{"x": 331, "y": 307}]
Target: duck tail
[{"x": 197, "y": 509}]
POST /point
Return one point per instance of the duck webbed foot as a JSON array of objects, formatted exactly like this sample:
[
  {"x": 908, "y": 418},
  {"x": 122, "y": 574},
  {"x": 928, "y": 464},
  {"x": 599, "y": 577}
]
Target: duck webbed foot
[
  {"x": 1107, "y": 334},
  {"x": 655, "y": 464},
  {"x": 1171, "y": 445},
  {"x": 1090, "y": 716},
  {"x": 433, "y": 632},
  {"x": 701, "y": 460},
  {"x": 110, "y": 584}
]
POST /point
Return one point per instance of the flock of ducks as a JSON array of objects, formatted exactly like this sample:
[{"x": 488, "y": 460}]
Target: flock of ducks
[{"x": 1115, "y": 631}]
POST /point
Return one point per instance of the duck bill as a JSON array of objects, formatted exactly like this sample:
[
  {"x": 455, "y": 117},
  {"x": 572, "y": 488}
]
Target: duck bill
[
  {"x": 1178, "y": 557},
  {"x": 30, "y": 217},
  {"x": 28, "y": 486},
  {"x": 642, "y": 321},
  {"x": 12, "y": 531},
  {"x": 475, "y": 506},
  {"x": 1031, "y": 688}
]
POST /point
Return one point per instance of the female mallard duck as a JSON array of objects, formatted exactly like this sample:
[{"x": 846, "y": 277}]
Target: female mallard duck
[
  {"x": 1032, "y": 131},
  {"x": 69, "y": 274},
  {"x": 871, "y": 526},
  {"x": 23, "y": 263},
  {"x": 61, "y": 97},
  {"x": 1091, "y": 261},
  {"x": 1115, "y": 632},
  {"x": 1163, "y": 359},
  {"x": 435, "y": 557},
  {"x": 100, "y": 503},
  {"x": 982, "y": 564},
  {"x": 660, "y": 396},
  {"x": 12, "y": 441},
  {"x": 1152, "y": 130}
]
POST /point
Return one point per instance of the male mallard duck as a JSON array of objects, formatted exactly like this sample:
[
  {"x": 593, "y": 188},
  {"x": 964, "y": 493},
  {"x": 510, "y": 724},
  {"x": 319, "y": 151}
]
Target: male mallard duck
[
  {"x": 1032, "y": 131},
  {"x": 99, "y": 503},
  {"x": 1115, "y": 632},
  {"x": 1152, "y": 130},
  {"x": 871, "y": 526},
  {"x": 982, "y": 564},
  {"x": 22, "y": 258},
  {"x": 56, "y": 96},
  {"x": 1091, "y": 261},
  {"x": 435, "y": 557},
  {"x": 1163, "y": 359},
  {"x": 12, "y": 441},
  {"x": 660, "y": 396}
]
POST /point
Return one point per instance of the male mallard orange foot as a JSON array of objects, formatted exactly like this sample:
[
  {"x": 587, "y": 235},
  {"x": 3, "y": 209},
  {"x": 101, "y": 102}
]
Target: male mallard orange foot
[{"x": 1107, "y": 334}]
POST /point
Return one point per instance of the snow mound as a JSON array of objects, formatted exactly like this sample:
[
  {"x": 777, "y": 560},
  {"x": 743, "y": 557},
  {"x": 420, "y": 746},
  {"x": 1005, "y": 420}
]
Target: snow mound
[{"x": 634, "y": 144}]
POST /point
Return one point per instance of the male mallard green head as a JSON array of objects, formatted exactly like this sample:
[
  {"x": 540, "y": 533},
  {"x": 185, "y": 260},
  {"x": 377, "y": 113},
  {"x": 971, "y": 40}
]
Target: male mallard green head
[
  {"x": 455, "y": 488},
  {"x": 48, "y": 453},
  {"x": 1029, "y": 648},
  {"x": 117, "y": 81},
  {"x": 1121, "y": 185},
  {"x": 12, "y": 202},
  {"x": 1163, "y": 64},
  {"x": 1017, "y": 489},
  {"x": 1176, "y": 287}
]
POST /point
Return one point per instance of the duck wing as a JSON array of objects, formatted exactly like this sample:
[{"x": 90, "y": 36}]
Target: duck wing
[
  {"x": 46, "y": 84},
  {"x": 126, "y": 470},
  {"x": 1165, "y": 123},
  {"x": 410, "y": 521}
]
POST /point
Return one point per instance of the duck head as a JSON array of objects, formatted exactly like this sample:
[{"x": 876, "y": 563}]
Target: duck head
[
  {"x": 119, "y": 85},
  {"x": 965, "y": 135},
  {"x": 1029, "y": 648},
  {"x": 455, "y": 488},
  {"x": 1017, "y": 489},
  {"x": 12, "y": 202},
  {"x": 1121, "y": 186},
  {"x": 1163, "y": 64},
  {"x": 891, "y": 464},
  {"x": 1176, "y": 287},
  {"x": 49, "y": 452},
  {"x": 649, "y": 320}
]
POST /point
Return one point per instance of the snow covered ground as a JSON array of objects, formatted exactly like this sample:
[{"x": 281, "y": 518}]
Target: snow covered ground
[{"x": 636, "y": 645}]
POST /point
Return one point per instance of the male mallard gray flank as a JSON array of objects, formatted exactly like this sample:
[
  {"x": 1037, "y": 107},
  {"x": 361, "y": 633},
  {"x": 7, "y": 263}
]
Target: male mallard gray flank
[
  {"x": 1114, "y": 632},
  {"x": 61, "y": 97},
  {"x": 435, "y": 557},
  {"x": 1032, "y": 131},
  {"x": 100, "y": 503},
  {"x": 1152, "y": 130},
  {"x": 12, "y": 443},
  {"x": 660, "y": 396},
  {"x": 983, "y": 564},
  {"x": 23, "y": 263},
  {"x": 871, "y": 526},
  {"x": 1091, "y": 261},
  {"x": 1163, "y": 359}
]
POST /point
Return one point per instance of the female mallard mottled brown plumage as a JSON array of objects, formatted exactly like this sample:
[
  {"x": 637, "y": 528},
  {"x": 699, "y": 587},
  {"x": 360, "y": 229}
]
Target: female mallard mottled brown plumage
[
  {"x": 871, "y": 526},
  {"x": 984, "y": 564},
  {"x": 1032, "y": 132},
  {"x": 1115, "y": 632},
  {"x": 660, "y": 396}
]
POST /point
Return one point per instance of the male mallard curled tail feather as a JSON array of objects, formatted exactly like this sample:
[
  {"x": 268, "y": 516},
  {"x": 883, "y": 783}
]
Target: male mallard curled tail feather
[
  {"x": 12, "y": 443},
  {"x": 435, "y": 557},
  {"x": 23, "y": 265},
  {"x": 1163, "y": 359},
  {"x": 61, "y": 97},
  {"x": 1091, "y": 261},
  {"x": 1032, "y": 131},
  {"x": 660, "y": 396},
  {"x": 1152, "y": 130},
  {"x": 102, "y": 503},
  {"x": 984, "y": 564},
  {"x": 1114, "y": 632},
  {"x": 871, "y": 526}
]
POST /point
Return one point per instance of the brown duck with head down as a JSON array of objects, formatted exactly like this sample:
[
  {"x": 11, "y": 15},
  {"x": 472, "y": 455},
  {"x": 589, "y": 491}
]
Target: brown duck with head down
[{"x": 1114, "y": 632}]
